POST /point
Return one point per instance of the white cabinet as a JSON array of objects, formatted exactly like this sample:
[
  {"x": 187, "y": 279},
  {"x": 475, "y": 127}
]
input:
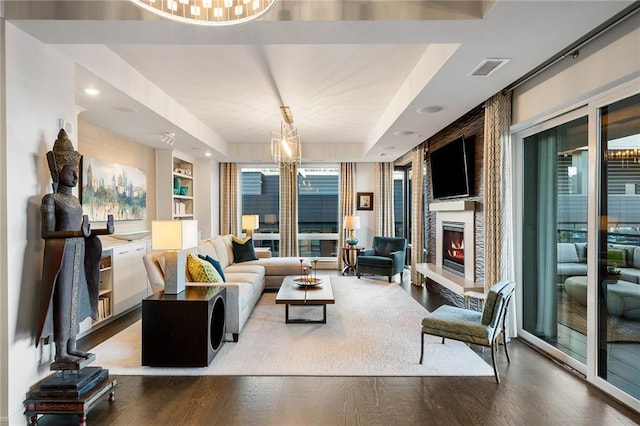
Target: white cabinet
[
  {"x": 129, "y": 276},
  {"x": 175, "y": 186}
]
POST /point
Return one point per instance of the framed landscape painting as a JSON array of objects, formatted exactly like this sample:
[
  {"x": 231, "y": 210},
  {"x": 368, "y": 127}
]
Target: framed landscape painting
[{"x": 111, "y": 188}]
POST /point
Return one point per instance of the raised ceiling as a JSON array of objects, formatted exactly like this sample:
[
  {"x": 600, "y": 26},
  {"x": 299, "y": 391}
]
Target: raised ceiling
[{"x": 354, "y": 73}]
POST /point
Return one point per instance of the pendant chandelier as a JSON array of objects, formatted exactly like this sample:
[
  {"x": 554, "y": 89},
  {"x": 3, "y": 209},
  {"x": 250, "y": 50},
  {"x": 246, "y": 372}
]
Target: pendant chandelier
[
  {"x": 208, "y": 12},
  {"x": 285, "y": 144}
]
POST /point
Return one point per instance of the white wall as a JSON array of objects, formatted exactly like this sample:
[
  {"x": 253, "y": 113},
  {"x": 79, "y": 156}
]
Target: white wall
[
  {"x": 365, "y": 182},
  {"x": 608, "y": 61},
  {"x": 39, "y": 90},
  {"x": 207, "y": 194},
  {"x": 4, "y": 317}
]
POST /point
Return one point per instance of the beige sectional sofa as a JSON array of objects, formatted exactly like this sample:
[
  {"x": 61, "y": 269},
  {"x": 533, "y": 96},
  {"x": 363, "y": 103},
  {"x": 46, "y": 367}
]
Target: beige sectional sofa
[{"x": 245, "y": 281}]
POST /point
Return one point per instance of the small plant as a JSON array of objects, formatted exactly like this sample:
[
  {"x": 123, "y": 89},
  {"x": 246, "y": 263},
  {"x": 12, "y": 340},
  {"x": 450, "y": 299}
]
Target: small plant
[{"x": 613, "y": 269}]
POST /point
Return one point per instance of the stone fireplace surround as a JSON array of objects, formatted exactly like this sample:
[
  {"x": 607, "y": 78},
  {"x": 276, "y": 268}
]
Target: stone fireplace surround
[{"x": 460, "y": 212}]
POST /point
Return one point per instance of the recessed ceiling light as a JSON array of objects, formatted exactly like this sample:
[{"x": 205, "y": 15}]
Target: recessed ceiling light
[
  {"x": 430, "y": 109},
  {"x": 92, "y": 91},
  {"x": 383, "y": 154},
  {"x": 207, "y": 154},
  {"x": 390, "y": 147},
  {"x": 403, "y": 133}
]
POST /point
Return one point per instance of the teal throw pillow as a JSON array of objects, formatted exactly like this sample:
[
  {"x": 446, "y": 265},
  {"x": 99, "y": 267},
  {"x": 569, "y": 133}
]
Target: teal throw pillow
[
  {"x": 243, "y": 250},
  {"x": 215, "y": 264}
]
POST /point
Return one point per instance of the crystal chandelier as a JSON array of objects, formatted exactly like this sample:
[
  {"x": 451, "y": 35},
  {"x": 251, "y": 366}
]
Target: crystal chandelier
[
  {"x": 208, "y": 12},
  {"x": 285, "y": 145}
]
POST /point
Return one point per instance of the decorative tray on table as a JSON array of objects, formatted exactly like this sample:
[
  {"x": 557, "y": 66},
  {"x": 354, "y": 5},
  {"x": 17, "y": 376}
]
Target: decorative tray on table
[{"x": 307, "y": 281}]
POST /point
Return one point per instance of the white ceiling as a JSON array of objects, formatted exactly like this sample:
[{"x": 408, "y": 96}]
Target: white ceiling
[{"x": 354, "y": 73}]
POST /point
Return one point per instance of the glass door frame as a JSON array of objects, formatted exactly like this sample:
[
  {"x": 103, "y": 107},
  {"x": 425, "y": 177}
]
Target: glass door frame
[
  {"x": 590, "y": 107},
  {"x": 593, "y": 240},
  {"x": 518, "y": 188}
]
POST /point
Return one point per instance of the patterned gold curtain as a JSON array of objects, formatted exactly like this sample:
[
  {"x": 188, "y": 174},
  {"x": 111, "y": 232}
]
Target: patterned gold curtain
[
  {"x": 497, "y": 194},
  {"x": 347, "y": 196},
  {"x": 383, "y": 207},
  {"x": 288, "y": 210},
  {"x": 229, "y": 201},
  {"x": 418, "y": 217}
]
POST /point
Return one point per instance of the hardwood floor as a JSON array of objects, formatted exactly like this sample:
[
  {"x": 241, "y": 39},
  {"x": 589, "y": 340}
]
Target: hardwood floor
[{"x": 534, "y": 391}]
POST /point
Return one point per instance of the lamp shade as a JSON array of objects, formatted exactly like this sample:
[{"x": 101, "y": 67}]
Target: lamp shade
[
  {"x": 351, "y": 222},
  {"x": 250, "y": 221},
  {"x": 174, "y": 234}
]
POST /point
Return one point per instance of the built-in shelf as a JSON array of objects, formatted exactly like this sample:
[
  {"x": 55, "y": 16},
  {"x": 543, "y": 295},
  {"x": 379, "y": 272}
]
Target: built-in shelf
[{"x": 453, "y": 282}]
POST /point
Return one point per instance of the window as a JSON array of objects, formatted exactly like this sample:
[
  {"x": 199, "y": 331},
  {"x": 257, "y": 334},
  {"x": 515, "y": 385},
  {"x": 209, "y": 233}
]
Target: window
[
  {"x": 260, "y": 193},
  {"x": 318, "y": 217}
]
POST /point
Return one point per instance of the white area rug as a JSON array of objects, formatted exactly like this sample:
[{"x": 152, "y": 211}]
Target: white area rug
[{"x": 372, "y": 330}]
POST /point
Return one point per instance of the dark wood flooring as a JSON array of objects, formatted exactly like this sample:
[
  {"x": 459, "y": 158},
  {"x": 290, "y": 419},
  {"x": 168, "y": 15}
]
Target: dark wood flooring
[{"x": 534, "y": 391}]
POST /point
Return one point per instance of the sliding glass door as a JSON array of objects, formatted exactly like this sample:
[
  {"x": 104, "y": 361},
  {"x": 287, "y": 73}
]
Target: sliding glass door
[
  {"x": 554, "y": 235},
  {"x": 618, "y": 291},
  {"x": 578, "y": 207}
]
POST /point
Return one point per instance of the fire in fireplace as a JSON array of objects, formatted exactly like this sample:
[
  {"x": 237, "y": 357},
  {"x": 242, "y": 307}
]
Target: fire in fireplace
[{"x": 453, "y": 247}]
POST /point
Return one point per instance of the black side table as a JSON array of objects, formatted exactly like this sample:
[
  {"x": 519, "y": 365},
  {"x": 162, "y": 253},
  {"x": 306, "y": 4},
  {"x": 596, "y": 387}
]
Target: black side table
[{"x": 183, "y": 330}]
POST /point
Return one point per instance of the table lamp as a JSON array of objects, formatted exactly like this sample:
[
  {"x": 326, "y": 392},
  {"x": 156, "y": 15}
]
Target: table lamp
[
  {"x": 351, "y": 223},
  {"x": 174, "y": 236},
  {"x": 249, "y": 223}
]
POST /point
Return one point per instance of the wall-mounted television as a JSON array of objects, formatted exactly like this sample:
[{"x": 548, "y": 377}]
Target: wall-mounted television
[{"x": 452, "y": 169}]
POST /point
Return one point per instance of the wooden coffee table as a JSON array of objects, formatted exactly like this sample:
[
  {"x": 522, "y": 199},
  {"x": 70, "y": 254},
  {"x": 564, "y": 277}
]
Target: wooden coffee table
[{"x": 292, "y": 294}]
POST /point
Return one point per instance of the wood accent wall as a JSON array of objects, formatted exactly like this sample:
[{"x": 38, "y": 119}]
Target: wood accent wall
[
  {"x": 96, "y": 142},
  {"x": 469, "y": 125}
]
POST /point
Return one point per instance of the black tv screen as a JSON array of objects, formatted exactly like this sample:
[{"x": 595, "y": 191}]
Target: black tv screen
[{"x": 452, "y": 169}]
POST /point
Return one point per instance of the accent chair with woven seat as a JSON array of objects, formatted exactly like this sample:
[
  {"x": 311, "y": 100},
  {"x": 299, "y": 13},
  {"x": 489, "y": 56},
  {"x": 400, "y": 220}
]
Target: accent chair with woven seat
[
  {"x": 481, "y": 328},
  {"x": 386, "y": 257}
]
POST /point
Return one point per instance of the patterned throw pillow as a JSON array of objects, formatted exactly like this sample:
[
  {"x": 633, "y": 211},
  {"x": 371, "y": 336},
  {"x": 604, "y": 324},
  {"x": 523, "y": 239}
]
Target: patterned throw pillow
[
  {"x": 202, "y": 271},
  {"x": 215, "y": 264},
  {"x": 243, "y": 249}
]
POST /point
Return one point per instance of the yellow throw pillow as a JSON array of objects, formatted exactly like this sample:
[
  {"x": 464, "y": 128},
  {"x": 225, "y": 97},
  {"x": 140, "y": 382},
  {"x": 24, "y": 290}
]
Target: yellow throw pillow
[{"x": 202, "y": 271}]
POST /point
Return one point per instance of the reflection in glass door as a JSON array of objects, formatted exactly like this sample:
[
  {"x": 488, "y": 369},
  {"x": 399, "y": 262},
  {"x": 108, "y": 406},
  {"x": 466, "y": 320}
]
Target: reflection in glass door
[
  {"x": 554, "y": 235},
  {"x": 618, "y": 307}
]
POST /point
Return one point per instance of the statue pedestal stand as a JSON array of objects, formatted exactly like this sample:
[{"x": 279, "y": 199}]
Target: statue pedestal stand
[{"x": 70, "y": 392}]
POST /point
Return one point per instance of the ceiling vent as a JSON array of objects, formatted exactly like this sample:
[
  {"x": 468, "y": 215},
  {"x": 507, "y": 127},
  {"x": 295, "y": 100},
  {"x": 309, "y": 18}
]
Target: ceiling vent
[{"x": 488, "y": 66}]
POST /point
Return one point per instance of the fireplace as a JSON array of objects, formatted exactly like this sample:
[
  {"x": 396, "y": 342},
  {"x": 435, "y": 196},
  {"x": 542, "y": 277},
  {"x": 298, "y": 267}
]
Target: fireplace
[
  {"x": 455, "y": 238},
  {"x": 453, "y": 247}
]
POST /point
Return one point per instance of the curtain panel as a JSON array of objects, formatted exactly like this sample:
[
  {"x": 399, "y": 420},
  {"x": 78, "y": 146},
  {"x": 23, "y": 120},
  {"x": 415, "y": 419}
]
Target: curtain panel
[
  {"x": 418, "y": 218},
  {"x": 347, "y": 185},
  {"x": 497, "y": 190},
  {"x": 384, "y": 194},
  {"x": 498, "y": 213},
  {"x": 288, "y": 210},
  {"x": 229, "y": 201}
]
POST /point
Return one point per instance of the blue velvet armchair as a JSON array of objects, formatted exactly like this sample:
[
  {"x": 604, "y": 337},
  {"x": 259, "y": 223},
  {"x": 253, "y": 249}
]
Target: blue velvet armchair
[{"x": 385, "y": 258}]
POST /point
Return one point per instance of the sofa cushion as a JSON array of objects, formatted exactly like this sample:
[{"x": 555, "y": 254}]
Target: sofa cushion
[
  {"x": 281, "y": 266},
  {"x": 244, "y": 267},
  {"x": 617, "y": 257},
  {"x": 570, "y": 269},
  {"x": 221, "y": 251},
  {"x": 243, "y": 250},
  {"x": 215, "y": 264},
  {"x": 205, "y": 247},
  {"x": 202, "y": 271},
  {"x": 567, "y": 253},
  {"x": 581, "y": 249},
  {"x": 628, "y": 250}
]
